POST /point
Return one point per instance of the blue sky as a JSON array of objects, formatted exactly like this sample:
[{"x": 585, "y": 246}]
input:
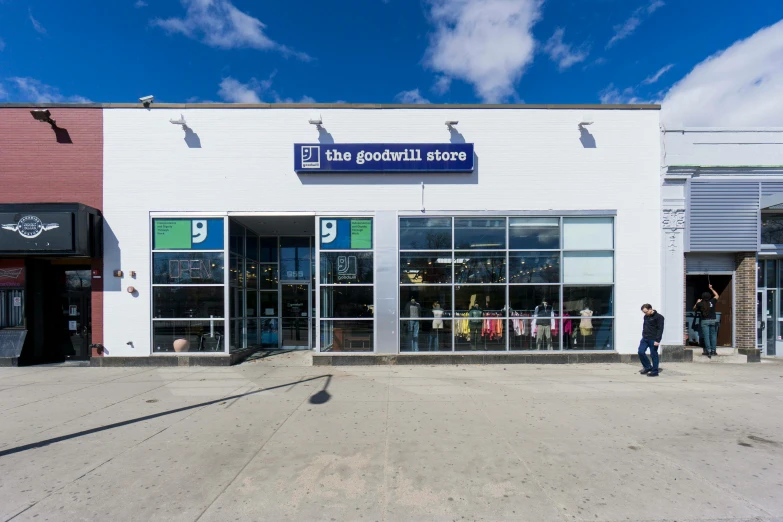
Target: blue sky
[{"x": 386, "y": 51}]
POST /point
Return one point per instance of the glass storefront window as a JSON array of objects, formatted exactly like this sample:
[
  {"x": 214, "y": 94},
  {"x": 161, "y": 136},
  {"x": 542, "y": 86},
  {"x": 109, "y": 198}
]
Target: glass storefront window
[
  {"x": 588, "y": 334},
  {"x": 295, "y": 258},
  {"x": 268, "y": 306},
  {"x": 485, "y": 299},
  {"x": 771, "y": 229},
  {"x": 534, "y": 233},
  {"x": 479, "y": 267},
  {"x": 425, "y": 335},
  {"x": 525, "y": 334},
  {"x": 347, "y": 336},
  {"x": 268, "y": 277},
  {"x": 346, "y": 301},
  {"x": 588, "y": 233},
  {"x": 425, "y": 268},
  {"x": 236, "y": 234},
  {"x": 588, "y": 267},
  {"x": 346, "y": 268},
  {"x": 527, "y": 299},
  {"x": 187, "y": 301},
  {"x": 480, "y": 233},
  {"x": 425, "y": 234},
  {"x": 426, "y": 297},
  {"x": 188, "y": 336},
  {"x": 503, "y": 270},
  {"x": 252, "y": 247},
  {"x": 268, "y": 250},
  {"x": 578, "y": 300},
  {"x": 187, "y": 268},
  {"x": 534, "y": 267}
]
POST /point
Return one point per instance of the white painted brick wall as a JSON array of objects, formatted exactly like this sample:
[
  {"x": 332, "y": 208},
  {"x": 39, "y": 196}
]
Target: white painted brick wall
[{"x": 527, "y": 160}]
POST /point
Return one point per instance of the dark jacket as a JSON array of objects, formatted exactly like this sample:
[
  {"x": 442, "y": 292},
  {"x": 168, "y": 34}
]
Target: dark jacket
[{"x": 653, "y": 327}]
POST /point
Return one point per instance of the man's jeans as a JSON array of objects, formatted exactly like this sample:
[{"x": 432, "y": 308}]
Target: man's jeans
[
  {"x": 709, "y": 331},
  {"x": 643, "y": 345}
]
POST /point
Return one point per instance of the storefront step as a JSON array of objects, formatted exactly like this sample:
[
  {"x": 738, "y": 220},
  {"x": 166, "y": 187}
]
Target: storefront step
[{"x": 725, "y": 356}]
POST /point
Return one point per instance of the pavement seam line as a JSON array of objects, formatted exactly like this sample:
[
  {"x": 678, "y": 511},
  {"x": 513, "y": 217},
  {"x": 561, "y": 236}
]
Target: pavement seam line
[
  {"x": 520, "y": 459},
  {"x": 58, "y": 490},
  {"x": 252, "y": 458},
  {"x": 112, "y": 404},
  {"x": 72, "y": 391}
]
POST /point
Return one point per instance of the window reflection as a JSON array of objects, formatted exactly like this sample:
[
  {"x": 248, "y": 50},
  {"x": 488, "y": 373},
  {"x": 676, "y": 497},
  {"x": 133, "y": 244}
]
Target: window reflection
[
  {"x": 534, "y": 267},
  {"x": 534, "y": 233},
  {"x": 479, "y": 267},
  {"x": 480, "y": 233},
  {"x": 425, "y": 234},
  {"x": 425, "y": 268}
]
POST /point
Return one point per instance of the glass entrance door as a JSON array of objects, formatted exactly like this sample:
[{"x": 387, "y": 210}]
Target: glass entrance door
[
  {"x": 295, "y": 317},
  {"x": 76, "y": 310},
  {"x": 767, "y": 322}
]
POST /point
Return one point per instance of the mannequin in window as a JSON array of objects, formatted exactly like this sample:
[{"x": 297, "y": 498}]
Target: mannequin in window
[
  {"x": 475, "y": 323},
  {"x": 437, "y": 326},
  {"x": 413, "y": 310},
  {"x": 543, "y": 322},
  {"x": 586, "y": 323}
]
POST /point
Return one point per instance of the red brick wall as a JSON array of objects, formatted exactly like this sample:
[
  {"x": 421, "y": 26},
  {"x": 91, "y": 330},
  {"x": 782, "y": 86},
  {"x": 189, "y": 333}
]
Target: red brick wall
[
  {"x": 745, "y": 299},
  {"x": 36, "y": 168}
]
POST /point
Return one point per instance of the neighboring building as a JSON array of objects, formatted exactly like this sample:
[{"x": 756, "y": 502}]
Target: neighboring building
[
  {"x": 723, "y": 208},
  {"x": 51, "y": 195}
]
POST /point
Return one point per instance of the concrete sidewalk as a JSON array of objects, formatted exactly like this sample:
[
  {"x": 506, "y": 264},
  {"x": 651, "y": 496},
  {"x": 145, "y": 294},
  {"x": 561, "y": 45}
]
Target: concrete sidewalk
[{"x": 275, "y": 439}]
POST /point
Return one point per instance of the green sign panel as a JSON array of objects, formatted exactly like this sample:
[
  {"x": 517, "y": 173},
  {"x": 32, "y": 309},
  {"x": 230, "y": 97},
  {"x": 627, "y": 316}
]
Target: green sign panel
[
  {"x": 361, "y": 234},
  {"x": 172, "y": 234}
]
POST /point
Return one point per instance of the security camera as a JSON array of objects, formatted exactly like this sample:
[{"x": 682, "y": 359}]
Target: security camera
[{"x": 146, "y": 100}]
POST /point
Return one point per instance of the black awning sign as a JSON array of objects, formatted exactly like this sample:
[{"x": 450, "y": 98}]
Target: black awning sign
[{"x": 36, "y": 231}]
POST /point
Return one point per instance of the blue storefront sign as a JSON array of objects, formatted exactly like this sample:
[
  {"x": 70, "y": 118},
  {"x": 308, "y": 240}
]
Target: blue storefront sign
[{"x": 383, "y": 157}]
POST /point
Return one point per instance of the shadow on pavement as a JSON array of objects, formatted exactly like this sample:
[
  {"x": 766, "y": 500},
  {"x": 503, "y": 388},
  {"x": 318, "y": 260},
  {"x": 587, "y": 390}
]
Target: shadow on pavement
[{"x": 320, "y": 397}]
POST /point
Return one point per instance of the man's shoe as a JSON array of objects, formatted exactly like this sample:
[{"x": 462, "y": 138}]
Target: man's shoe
[
  {"x": 652, "y": 374},
  {"x": 644, "y": 370}
]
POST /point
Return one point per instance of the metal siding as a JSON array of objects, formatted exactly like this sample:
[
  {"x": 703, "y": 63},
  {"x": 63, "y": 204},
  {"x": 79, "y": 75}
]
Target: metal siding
[
  {"x": 769, "y": 188},
  {"x": 724, "y": 216},
  {"x": 709, "y": 263}
]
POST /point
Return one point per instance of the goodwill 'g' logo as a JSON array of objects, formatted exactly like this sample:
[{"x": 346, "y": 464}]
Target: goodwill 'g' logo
[
  {"x": 30, "y": 227},
  {"x": 311, "y": 157}
]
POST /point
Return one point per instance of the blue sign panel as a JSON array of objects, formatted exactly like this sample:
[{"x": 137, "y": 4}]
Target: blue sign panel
[
  {"x": 346, "y": 234},
  {"x": 383, "y": 157}
]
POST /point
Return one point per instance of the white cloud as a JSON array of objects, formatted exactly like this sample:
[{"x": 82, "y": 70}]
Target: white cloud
[
  {"x": 741, "y": 86},
  {"x": 3, "y": 92},
  {"x": 36, "y": 24},
  {"x": 410, "y": 97},
  {"x": 614, "y": 96},
  {"x": 657, "y": 76},
  {"x": 487, "y": 43},
  {"x": 562, "y": 53},
  {"x": 218, "y": 23},
  {"x": 442, "y": 85},
  {"x": 626, "y": 29},
  {"x": 141, "y": 3},
  {"x": 254, "y": 91},
  {"x": 2, "y": 45},
  {"x": 32, "y": 90}
]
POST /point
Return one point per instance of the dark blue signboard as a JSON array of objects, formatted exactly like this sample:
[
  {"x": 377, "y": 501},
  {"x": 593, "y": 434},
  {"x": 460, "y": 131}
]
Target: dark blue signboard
[{"x": 383, "y": 157}]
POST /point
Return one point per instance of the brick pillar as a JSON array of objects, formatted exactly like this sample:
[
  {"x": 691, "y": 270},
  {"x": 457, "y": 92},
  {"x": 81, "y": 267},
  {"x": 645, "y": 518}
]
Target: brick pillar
[{"x": 745, "y": 305}]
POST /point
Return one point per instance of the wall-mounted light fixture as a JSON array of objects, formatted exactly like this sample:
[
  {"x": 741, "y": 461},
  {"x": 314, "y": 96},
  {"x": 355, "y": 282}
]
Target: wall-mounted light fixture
[
  {"x": 117, "y": 273},
  {"x": 180, "y": 121},
  {"x": 315, "y": 119},
  {"x": 131, "y": 289},
  {"x": 43, "y": 115},
  {"x": 584, "y": 124},
  {"x": 451, "y": 123},
  {"x": 147, "y": 100}
]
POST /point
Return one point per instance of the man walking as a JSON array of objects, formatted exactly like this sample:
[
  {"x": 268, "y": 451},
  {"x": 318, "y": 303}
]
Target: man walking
[{"x": 652, "y": 333}]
